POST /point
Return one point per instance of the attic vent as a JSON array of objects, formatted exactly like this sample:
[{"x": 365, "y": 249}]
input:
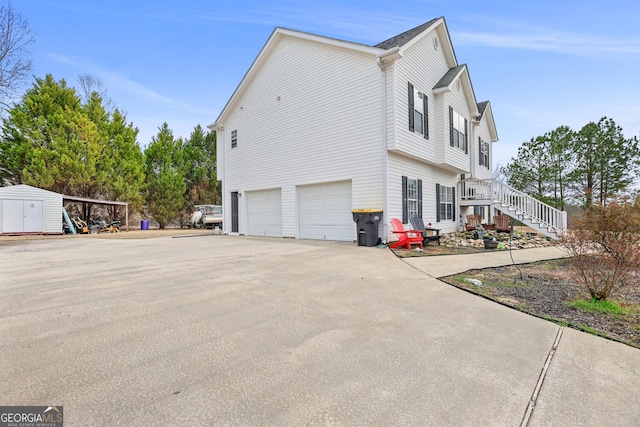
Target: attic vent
[
  {"x": 458, "y": 85},
  {"x": 436, "y": 43}
]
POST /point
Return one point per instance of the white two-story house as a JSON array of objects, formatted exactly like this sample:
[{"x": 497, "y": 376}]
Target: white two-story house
[{"x": 318, "y": 127}]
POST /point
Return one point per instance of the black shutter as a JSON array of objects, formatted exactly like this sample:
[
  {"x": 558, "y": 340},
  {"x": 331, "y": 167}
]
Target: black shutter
[
  {"x": 419, "y": 198},
  {"x": 411, "y": 116},
  {"x": 451, "y": 126},
  {"x": 453, "y": 202},
  {"x": 437, "y": 202},
  {"x": 405, "y": 207},
  {"x": 480, "y": 158},
  {"x": 466, "y": 138},
  {"x": 425, "y": 117}
]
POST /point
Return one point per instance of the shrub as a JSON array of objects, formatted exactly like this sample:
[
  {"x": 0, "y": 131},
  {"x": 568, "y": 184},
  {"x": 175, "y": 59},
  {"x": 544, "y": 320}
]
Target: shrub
[{"x": 605, "y": 248}]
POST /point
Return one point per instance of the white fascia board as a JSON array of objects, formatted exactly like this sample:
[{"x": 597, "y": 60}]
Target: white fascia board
[
  {"x": 488, "y": 116},
  {"x": 466, "y": 82}
]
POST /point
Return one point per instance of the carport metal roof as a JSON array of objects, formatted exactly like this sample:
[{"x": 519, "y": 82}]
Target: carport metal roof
[{"x": 101, "y": 202}]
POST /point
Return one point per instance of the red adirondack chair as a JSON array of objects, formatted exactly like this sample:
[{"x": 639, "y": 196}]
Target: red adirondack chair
[{"x": 405, "y": 237}]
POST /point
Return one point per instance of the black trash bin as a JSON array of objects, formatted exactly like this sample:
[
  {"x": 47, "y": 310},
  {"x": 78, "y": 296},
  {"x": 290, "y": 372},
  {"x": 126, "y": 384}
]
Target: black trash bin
[{"x": 367, "y": 221}]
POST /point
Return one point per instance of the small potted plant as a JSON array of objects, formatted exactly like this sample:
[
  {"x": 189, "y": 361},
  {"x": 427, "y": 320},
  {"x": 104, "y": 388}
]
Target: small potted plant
[{"x": 490, "y": 243}]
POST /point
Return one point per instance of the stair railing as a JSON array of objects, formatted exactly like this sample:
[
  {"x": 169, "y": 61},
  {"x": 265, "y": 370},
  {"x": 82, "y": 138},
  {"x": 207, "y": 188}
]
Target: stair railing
[{"x": 524, "y": 205}]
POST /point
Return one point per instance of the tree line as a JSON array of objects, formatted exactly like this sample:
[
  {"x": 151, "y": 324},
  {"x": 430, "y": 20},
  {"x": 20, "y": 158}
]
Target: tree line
[
  {"x": 72, "y": 142},
  {"x": 588, "y": 167}
]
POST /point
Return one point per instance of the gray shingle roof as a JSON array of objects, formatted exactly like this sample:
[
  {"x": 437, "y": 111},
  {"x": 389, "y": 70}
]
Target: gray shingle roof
[
  {"x": 403, "y": 38},
  {"x": 482, "y": 106},
  {"x": 449, "y": 76}
]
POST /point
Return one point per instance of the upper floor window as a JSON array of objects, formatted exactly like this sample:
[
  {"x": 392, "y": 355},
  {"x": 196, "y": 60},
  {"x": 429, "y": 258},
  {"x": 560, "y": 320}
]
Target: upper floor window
[
  {"x": 483, "y": 147},
  {"x": 234, "y": 138},
  {"x": 458, "y": 130},
  {"x": 418, "y": 111}
]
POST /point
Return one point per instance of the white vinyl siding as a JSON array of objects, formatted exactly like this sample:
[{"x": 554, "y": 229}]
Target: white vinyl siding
[
  {"x": 311, "y": 114},
  {"x": 400, "y": 166},
  {"x": 482, "y": 131},
  {"x": 422, "y": 66}
]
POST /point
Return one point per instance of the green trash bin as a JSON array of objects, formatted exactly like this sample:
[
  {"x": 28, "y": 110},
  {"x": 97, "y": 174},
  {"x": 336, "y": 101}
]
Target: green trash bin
[{"x": 367, "y": 221}]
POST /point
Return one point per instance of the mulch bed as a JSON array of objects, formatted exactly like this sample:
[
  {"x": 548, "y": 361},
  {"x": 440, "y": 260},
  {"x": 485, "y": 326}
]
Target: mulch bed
[{"x": 545, "y": 289}]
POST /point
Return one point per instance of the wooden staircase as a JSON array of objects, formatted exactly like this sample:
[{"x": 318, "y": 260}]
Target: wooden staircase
[{"x": 541, "y": 217}]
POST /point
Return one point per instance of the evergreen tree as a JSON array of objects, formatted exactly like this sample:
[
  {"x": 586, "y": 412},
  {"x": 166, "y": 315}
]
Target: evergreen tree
[
  {"x": 607, "y": 162},
  {"x": 164, "y": 169},
  {"x": 200, "y": 169},
  {"x": 50, "y": 142}
]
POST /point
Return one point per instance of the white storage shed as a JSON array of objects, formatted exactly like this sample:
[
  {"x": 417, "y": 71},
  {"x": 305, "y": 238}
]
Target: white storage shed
[{"x": 29, "y": 210}]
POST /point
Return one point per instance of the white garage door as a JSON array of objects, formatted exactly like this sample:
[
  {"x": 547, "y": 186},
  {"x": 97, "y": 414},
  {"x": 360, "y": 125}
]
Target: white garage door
[
  {"x": 325, "y": 211},
  {"x": 264, "y": 213}
]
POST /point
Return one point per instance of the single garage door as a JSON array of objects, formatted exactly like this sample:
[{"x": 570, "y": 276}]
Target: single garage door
[
  {"x": 264, "y": 213},
  {"x": 325, "y": 211}
]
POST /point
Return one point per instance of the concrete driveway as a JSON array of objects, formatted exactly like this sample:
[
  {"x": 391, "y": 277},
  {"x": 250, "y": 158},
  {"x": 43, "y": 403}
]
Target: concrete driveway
[{"x": 218, "y": 330}]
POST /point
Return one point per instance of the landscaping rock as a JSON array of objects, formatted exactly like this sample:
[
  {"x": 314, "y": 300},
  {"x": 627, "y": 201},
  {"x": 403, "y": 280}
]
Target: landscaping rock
[{"x": 517, "y": 240}]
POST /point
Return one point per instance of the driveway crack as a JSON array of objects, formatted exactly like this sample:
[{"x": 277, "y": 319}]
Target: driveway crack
[{"x": 536, "y": 392}]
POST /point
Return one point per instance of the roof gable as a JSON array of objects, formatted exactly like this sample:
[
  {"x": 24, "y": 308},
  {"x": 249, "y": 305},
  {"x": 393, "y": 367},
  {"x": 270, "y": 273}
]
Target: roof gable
[
  {"x": 446, "y": 83},
  {"x": 486, "y": 114},
  {"x": 277, "y": 35},
  {"x": 402, "y": 39}
]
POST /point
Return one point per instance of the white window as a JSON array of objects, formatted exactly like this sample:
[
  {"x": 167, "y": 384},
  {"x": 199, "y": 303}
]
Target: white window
[
  {"x": 446, "y": 203},
  {"x": 412, "y": 197},
  {"x": 234, "y": 138},
  {"x": 459, "y": 131},
  {"x": 484, "y": 153},
  {"x": 418, "y": 112}
]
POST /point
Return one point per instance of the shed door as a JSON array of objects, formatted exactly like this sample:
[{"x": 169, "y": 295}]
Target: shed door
[
  {"x": 33, "y": 216},
  {"x": 264, "y": 213},
  {"x": 325, "y": 211},
  {"x": 22, "y": 216}
]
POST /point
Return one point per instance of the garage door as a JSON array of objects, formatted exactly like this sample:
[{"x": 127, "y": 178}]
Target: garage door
[
  {"x": 325, "y": 211},
  {"x": 264, "y": 213}
]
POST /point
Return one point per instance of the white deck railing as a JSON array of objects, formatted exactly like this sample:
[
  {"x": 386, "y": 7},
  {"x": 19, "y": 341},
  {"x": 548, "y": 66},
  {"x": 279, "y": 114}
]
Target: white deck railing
[{"x": 524, "y": 205}]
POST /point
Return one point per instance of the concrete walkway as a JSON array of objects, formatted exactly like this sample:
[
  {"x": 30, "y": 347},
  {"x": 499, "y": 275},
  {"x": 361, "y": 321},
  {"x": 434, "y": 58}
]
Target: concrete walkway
[
  {"x": 219, "y": 330},
  {"x": 585, "y": 380}
]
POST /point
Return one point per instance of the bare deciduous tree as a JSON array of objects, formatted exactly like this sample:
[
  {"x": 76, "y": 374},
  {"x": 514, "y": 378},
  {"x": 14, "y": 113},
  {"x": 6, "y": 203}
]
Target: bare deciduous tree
[
  {"x": 16, "y": 38},
  {"x": 90, "y": 84}
]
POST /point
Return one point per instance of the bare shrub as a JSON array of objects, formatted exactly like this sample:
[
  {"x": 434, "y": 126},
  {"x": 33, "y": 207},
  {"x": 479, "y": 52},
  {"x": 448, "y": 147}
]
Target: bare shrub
[{"x": 605, "y": 248}]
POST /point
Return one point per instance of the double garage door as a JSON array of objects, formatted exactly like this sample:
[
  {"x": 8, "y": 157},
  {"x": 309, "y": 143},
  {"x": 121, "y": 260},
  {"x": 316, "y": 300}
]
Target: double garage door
[{"x": 324, "y": 212}]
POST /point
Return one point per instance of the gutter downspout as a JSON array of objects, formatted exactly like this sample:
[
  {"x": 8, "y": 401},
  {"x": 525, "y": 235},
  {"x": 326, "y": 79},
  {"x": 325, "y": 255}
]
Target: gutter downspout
[{"x": 385, "y": 158}]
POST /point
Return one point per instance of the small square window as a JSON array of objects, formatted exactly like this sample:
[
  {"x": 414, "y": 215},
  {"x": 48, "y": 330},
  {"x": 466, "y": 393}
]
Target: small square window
[{"x": 234, "y": 138}]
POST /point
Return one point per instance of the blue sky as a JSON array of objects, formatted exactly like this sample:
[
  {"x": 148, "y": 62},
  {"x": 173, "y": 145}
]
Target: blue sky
[{"x": 541, "y": 64}]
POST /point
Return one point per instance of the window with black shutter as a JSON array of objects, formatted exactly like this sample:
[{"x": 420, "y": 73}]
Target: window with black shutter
[
  {"x": 418, "y": 111},
  {"x": 411, "y": 199}
]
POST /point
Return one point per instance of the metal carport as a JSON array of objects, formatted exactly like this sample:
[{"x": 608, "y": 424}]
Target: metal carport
[{"x": 101, "y": 202}]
